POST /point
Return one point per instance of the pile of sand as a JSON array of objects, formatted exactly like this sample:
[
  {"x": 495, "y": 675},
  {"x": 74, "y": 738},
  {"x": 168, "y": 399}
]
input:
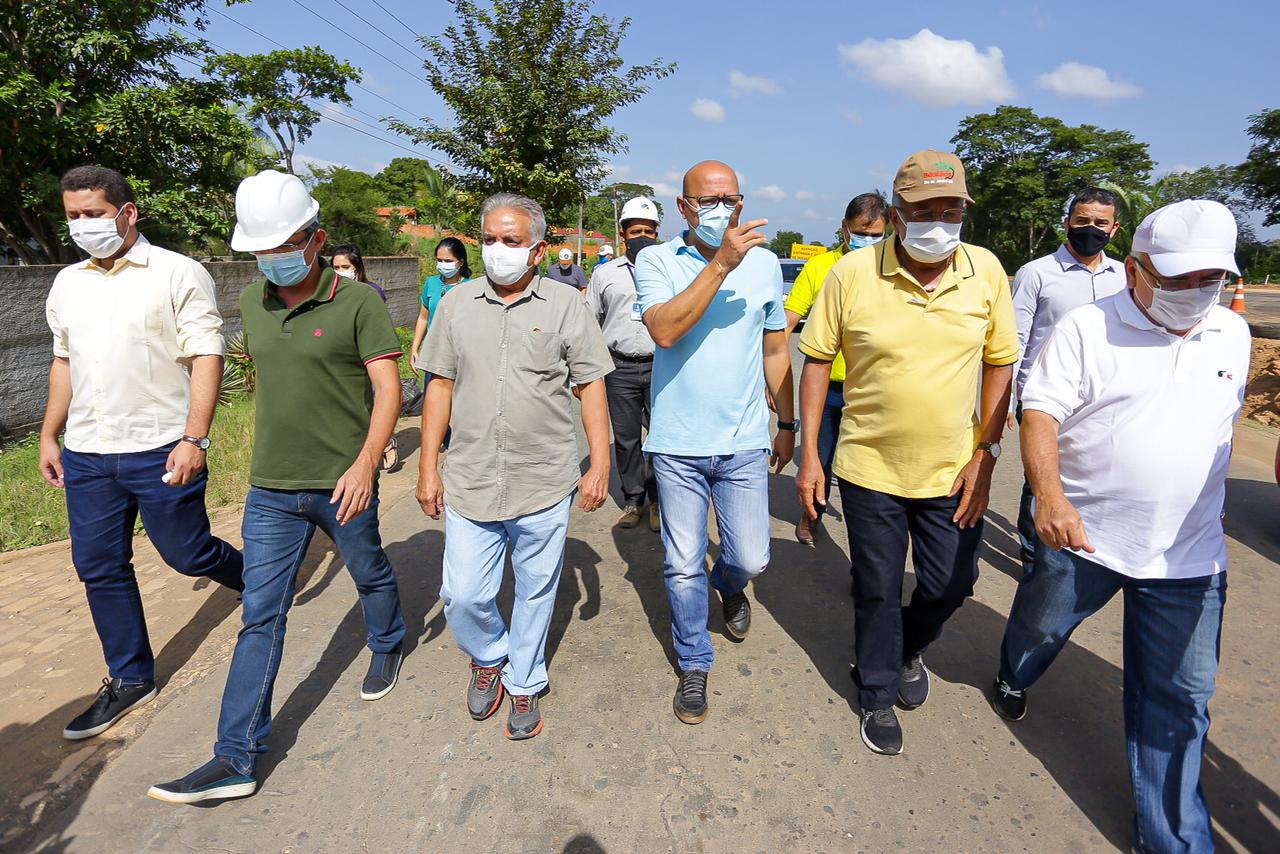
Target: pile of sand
[{"x": 1262, "y": 395}]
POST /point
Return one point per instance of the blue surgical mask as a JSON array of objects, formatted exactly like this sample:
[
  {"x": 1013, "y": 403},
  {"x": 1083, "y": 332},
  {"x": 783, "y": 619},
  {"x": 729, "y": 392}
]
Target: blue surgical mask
[
  {"x": 861, "y": 241},
  {"x": 447, "y": 269},
  {"x": 286, "y": 268},
  {"x": 712, "y": 223}
]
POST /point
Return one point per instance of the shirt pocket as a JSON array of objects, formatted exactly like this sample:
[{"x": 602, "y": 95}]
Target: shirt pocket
[
  {"x": 540, "y": 352},
  {"x": 143, "y": 317}
]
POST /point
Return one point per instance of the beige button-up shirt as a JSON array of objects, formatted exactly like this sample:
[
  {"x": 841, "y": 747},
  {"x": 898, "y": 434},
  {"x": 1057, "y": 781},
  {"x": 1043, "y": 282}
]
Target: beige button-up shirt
[
  {"x": 130, "y": 334},
  {"x": 514, "y": 449}
]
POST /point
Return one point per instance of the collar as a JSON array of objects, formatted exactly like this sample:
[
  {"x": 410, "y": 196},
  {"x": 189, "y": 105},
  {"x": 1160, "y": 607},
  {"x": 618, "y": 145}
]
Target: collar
[
  {"x": 961, "y": 266},
  {"x": 139, "y": 255},
  {"x": 533, "y": 289},
  {"x": 684, "y": 246},
  {"x": 1064, "y": 257},
  {"x": 326, "y": 288}
]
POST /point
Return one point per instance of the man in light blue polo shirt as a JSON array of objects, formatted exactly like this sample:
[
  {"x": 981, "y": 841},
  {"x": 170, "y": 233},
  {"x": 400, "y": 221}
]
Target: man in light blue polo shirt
[{"x": 712, "y": 300}]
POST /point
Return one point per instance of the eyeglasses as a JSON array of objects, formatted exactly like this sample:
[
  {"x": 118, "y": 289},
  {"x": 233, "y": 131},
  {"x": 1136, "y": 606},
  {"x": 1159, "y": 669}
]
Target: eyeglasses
[
  {"x": 731, "y": 200},
  {"x": 951, "y": 216},
  {"x": 1205, "y": 279}
]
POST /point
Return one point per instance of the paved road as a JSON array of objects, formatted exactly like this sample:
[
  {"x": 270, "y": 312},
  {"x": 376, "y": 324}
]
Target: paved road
[
  {"x": 778, "y": 765},
  {"x": 1260, "y": 306}
]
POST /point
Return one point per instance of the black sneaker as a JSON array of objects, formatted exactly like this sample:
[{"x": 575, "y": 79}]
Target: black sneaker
[
  {"x": 913, "y": 688},
  {"x": 384, "y": 669},
  {"x": 691, "y": 697},
  {"x": 1008, "y": 703},
  {"x": 525, "y": 720},
  {"x": 212, "y": 780},
  {"x": 881, "y": 732},
  {"x": 113, "y": 702},
  {"x": 737, "y": 615}
]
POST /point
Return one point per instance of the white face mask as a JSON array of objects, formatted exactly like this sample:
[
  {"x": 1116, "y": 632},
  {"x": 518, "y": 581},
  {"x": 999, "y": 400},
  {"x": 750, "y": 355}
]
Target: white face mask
[
  {"x": 1182, "y": 310},
  {"x": 504, "y": 265},
  {"x": 97, "y": 236},
  {"x": 931, "y": 242},
  {"x": 346, "y": 274}
]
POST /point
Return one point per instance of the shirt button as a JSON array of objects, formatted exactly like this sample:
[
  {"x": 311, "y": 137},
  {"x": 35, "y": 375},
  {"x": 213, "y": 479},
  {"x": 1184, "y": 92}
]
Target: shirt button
[
  {"x": 500, "y": 379},
  {"x": 499, "y": 413}
]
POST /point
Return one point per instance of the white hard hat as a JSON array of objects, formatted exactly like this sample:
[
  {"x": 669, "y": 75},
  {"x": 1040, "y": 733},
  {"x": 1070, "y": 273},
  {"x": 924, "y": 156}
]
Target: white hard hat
[
  {"x": 639, "y": 208},
  {"x": 606, "y": 249},
  {"x": 270, "y": 207},
  {"x": 566, "y": 255}
]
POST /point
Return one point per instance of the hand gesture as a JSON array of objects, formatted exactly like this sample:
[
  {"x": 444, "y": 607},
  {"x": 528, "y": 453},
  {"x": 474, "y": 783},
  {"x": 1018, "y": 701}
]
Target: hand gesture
[
  {"x": 739, "y": 239},
  {"x": 430, "y": 494},
  {"x": 354, "y": 491},
  {"x": 1059, "y": 526}
]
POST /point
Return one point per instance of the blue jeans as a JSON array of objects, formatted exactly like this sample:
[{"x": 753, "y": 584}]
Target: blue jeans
[
  {"x": 738, "y": 486},
  {"x": 474, "y": 556},
  {"x": 277, "y": 528},
  {"x": 105, "y": 493},
  {"x": 1172, "y": 635},
  {"x": 829, "y": 433}
]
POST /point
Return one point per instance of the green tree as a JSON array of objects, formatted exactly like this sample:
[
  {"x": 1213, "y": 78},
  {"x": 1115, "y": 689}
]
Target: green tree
[
  {"x": 599, "y": 209},
  {"x": 531, "y": 85},
  {"x": 781, "y": 243},
  {"x": 1219, "y": 183},
  {"x": 1260, "y": 172},
  {"x": 1022, "y": 168},
  {"x": 97, "y": 83},
  {"x": 349, "y": 201},
  {"x": 284, "y": 90}
]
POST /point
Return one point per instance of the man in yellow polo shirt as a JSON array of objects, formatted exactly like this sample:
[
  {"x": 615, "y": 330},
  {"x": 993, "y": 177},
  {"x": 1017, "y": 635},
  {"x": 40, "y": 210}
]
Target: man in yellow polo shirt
[
  {"x": 920, "y": 319},
  {"x": 864, "y": 224}
]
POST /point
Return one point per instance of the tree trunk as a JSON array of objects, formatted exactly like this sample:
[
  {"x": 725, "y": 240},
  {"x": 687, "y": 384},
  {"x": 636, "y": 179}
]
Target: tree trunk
[{"x": 20, "y": 247}]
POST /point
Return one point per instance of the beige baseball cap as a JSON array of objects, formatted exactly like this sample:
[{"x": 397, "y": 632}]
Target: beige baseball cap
[{"x": 931, "y": 174}]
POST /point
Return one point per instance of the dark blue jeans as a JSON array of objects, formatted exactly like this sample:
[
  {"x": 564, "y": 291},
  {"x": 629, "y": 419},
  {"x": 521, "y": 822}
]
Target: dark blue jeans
[
  {"x": 278, "y": 526},
  {"x": 1172, "y": 638},
  {"x": 829, "y": 432},
  {"x": 105, "y": 493}
]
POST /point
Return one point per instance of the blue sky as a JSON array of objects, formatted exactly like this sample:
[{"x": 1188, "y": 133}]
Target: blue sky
[{"x": 814, "y": 102}]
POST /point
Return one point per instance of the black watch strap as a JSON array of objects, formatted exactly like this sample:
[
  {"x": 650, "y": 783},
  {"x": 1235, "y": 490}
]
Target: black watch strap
[{"x": 793, "y": 426}]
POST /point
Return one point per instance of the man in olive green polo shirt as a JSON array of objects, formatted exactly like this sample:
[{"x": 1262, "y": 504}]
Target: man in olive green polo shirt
[
  {"x": 920, "y": 320},
  {"x": 328, "y": 396}
]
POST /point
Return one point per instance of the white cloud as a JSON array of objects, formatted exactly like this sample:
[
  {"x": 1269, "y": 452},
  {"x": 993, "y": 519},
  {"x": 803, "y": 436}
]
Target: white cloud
[
  {"x": 745, "y": 84},
  {"x": 804, "y": 196},
  {"x": 664, "y": 191},
  {"x": 301, "y": 161},
  {"x": 853, "y": 116},
  {"x": 618, "y": 172},
  {"x": 810, "y": 213},
  {"x": 771, "y": 192},
  {"x": 1076, "y": 80},
  {"x": 927, "y": 67},
  {"x": 707, "y": 110}
]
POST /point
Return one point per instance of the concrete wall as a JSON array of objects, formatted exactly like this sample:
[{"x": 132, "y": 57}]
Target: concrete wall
[{"x": 26, "y": 345}]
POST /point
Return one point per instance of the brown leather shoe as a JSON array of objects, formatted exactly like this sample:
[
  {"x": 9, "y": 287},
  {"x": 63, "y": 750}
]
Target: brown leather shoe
[
  {"x": 655, "y": 518},
  {"x": 630, "y": 517},
  {"x": 806, "y": 530}
]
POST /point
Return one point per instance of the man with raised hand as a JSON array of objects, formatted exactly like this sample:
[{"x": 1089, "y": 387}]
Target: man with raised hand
[
  {"x": 712, "y": 300},
  {"x": 1126, "y": 436}
]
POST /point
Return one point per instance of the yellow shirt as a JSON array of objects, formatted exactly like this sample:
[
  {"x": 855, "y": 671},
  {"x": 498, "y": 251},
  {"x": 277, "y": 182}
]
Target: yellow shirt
[
  {"x": 910, "y": 423},
  {"x": 804, "y": 293}
]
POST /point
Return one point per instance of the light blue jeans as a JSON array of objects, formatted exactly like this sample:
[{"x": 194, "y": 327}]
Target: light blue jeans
[
  {"x": 474, "y": 556},
  {"x": 738, "y": 486}
]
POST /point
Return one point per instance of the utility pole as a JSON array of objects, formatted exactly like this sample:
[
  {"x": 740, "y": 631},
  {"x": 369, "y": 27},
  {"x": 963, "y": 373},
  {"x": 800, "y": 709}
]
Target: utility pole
[{"x": 579, "y": 234}]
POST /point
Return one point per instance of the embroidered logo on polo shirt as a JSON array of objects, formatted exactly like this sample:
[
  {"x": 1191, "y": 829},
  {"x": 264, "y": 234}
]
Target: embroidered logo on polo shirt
[
  {"x": 1225, "y": 375},
  {"x": 319, "y": 332}
]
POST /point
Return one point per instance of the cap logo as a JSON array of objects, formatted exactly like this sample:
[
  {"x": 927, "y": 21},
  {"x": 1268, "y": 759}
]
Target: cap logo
[
  {"x": 319, "y": 332},
  {"x": 941, "y": 173}
]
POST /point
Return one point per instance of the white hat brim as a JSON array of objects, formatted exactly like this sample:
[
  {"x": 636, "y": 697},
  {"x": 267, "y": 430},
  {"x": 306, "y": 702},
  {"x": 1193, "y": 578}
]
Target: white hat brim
[{"x": 1181, "y": 263}]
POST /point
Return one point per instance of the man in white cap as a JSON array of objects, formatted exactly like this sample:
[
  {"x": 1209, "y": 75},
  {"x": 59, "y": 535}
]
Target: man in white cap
[
  {"x": 603, "y": 255},
  {"x": 611, "y": 298},
  {"x": 568, "y": 272},
  {"x": 1126, "y": 439},
  {"x": 328, "y": 397}
]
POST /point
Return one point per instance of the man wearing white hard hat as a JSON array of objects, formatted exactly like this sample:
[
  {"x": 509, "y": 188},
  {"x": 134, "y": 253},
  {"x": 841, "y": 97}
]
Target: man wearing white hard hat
[
  {"x": 328, "y": 396},
  {"x": 1126, "y": 438},
  {"x": 603, "y": 255},
  {"x": 611, "y": 297},
  {"x": 568, "y": 272}
]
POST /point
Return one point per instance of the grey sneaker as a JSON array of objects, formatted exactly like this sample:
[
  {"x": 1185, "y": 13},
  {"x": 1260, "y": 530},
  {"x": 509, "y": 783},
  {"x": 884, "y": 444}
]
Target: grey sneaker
[
  {"x": 525, "y": 720},
  {"x": 913, "y": 689},
  {"x": 484, "y": 694},
  {"x": 384, "y": 670},
  {"x": 691, "y": 697}
]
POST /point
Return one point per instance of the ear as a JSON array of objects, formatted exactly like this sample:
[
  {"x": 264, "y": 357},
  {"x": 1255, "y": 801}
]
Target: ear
[
  {"x": 317, "y": 241},
  {"x": 538, "y": 251},
  {"x": 130, "y": 217}
]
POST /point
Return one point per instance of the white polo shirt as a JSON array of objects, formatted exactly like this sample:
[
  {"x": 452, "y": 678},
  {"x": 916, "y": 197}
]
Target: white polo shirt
[
  {"x": 130, "y": 334},
  {"x": 1146, "y": 432},
  {"x": 1045, "y": 289}
]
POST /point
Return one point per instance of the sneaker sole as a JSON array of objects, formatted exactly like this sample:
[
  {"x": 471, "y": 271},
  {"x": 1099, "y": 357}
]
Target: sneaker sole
[
  {"x": 378, "y": 695},
  {"x": 76, "y": 735},
  {"x": 688, "y": 718},
  {"x": 524, "y": 737},
  {"x": 733, "y": 634},
  {"x": 238, "y": 790},
  {"x": 873, "y": 748},
  {"x": 497, "y": 704}
]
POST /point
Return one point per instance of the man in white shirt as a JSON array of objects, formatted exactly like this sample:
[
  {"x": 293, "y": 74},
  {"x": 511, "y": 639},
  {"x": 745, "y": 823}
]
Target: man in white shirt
[
  {"x": 1045, "y": 289},
  {"x": 137, "y": 364},
  {"x": 1126, "y": 438}
]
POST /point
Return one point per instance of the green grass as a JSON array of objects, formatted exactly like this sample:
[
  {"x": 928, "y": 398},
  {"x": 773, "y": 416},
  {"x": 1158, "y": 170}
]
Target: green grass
[
  {"x": 406, "y": 342},
  {"x": 33, "y": 513}
]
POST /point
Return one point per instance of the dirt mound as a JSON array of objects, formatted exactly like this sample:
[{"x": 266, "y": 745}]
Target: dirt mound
[{"x": 1262, "y": 395}]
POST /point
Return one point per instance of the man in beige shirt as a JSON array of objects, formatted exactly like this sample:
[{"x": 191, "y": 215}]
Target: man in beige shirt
[{"x": 137, "y": 364}]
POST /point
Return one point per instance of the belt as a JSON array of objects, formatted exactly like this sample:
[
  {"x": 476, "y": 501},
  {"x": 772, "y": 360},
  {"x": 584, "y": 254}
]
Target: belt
[{"x": 622, "y": 357}]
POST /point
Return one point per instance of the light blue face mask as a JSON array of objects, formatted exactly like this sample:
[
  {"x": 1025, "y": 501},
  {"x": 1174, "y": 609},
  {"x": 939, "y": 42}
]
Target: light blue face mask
[
  {"x": 861, "y": 241},
  {"x": 286, "y": 268},
  {"x": 712, "y": 223}
]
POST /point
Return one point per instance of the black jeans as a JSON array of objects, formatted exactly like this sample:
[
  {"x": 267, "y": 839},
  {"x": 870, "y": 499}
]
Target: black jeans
[
  {"x": 628, "y": 391},
  {"x": 888, "y": 634}
]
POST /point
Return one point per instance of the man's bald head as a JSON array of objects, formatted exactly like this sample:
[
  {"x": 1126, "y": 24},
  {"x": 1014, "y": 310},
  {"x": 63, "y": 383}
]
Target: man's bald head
[{"x": 710, "y": 178}]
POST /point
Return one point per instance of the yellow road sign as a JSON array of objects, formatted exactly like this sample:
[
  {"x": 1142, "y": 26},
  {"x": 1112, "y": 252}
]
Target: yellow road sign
[{"x": 806, "y": 250}]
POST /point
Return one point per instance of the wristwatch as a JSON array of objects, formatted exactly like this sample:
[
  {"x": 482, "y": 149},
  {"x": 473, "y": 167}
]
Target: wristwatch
[
  {"x": 202, "y": 443},
  {"x": 793, "y": 426},
  {"x": 992, "y": 448}
]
